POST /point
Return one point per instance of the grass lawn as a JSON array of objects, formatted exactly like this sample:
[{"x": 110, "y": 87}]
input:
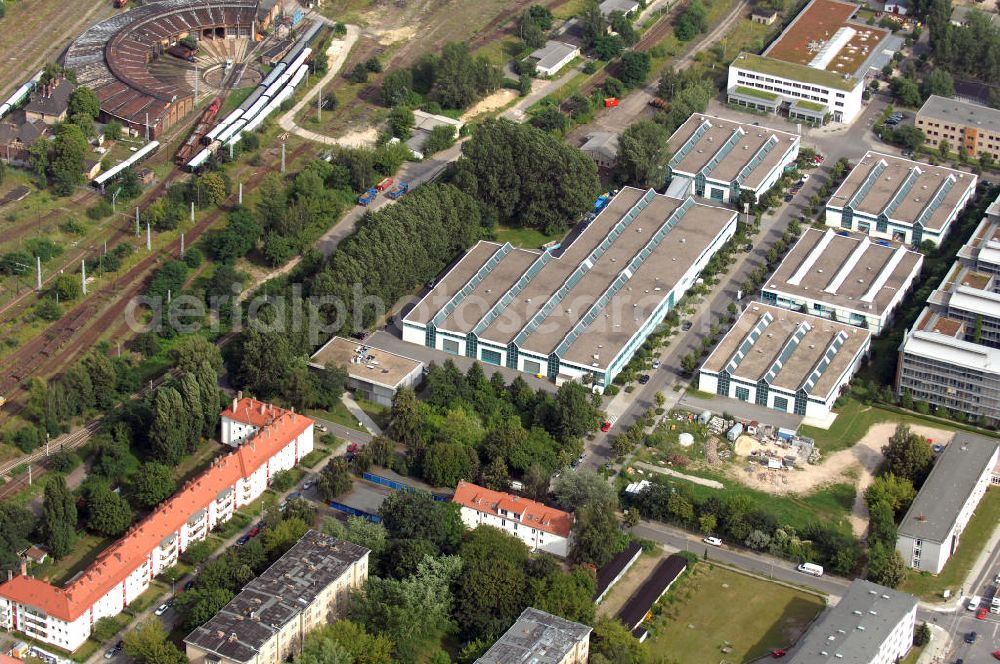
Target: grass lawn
[
  {"x": 974, "y": 538},
  {"x": 914, "y": 655},
  {"x": 714, "y": 608},
  {"x": 338, "y": 414},
  {"x": 376, "y": 411},
  {"x": 84, "y": 552},
  {"x": 853, "y": 421},
  {"x": 528, "y": 238}
]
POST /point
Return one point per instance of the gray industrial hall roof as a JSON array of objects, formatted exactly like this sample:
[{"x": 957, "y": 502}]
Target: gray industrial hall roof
[
  {"x": 853, "y": 631},
  {"x": 536, "y": 638},
  {"x": 623, "y": 6},
  {"x": 727, "y": 150},
  {"x": 552, "y": 53},
  {"x": 846, "y": 270},
  {"x": 906, "y": 191},
  {"x": 791, "y": 350},
  {"x": 281, "y": 592},
  {"x": 654, "y": 237},
  {"x": 952, "y": 479},
  {"x": 960, "y": 112}
]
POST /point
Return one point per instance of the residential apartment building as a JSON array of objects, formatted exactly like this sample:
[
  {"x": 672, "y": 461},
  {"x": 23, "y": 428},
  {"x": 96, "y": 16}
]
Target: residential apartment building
[
  {"x": 931, "y": 530},
  {"x": 817, "y": 69},
  {"x": 540, "y": 638},
  {"x": 785, "y": 360},
  {"x": 844, "y": 277},
  {"x": 961, "y": 123},
  {"x": 901, "y": 200},
  {"x": 951, "y": 356},
  {"x": 65, "y": 616},
  {"x": 541, "y": 527},
  {"x": 577, "y": 311},
  {"x": 871, "y": 624},
  {"x": 267, "y": 622},
  {"x": 720, "y": 159}
]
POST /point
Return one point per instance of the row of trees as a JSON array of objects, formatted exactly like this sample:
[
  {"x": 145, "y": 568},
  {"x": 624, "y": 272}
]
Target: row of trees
[{"x": 453, "y": 79}]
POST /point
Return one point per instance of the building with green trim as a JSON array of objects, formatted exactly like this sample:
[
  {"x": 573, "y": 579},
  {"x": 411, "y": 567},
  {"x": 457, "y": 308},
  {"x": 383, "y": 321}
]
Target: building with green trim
[{"x": 578, "y": 311}]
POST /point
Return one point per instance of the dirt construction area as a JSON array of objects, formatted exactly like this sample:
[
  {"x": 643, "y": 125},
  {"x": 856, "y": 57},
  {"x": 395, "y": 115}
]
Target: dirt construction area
[{"x": 856, "y": 464}]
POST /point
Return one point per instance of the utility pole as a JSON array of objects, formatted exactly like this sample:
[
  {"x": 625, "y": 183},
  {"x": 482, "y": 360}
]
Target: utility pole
[
  {"x": 282, "y": 157},
  {"x": 38, "y": 267},
  {"x": 83, "y": 276},
  {"x": 149, "y": 238},
  {"x": 29, "y": 474},
  {"x": 182, "y": 245},
  {"x": 240, "y": 199},
  {"x": 230, "y": 150},
  {"x": 192, "y": 212},
  {"x": 137, "y": 221},
  {"x": 319, "y": 105},
  {"x": 147, "y": 125}
]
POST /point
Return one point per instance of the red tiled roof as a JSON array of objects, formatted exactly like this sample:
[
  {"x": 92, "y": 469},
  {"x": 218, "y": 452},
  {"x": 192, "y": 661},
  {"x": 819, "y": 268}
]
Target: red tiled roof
[
  {"x": 533, "y": 513},
  {"x": 129, "y": 553},
  {"x": 8, "y": 659},
  {"x": 253, "y": 412}
]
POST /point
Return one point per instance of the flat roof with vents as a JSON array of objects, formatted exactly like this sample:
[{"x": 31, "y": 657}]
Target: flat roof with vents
[
  {"x": 853, "y": 631},
  {"x": 536, "y": 638},
  {"x": 366, "y": 363},
  {"x": 728, "y": 150},
  {"x": 905, "y": 191},
  {"x": 845, "y": 270},
  {"x": 953, "y": 478},
  {"x": 788, "y": 348}
]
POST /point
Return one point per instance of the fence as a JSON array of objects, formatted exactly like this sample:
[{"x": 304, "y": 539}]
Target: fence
[
  {"x": 399, "y": 486},
  {"x": 347, "y": 509}
]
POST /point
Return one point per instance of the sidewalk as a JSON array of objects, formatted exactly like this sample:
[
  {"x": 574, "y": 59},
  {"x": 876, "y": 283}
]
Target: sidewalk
[
  {"x": 359, "y": 413},
  {"x": 969, "y": 585},
  {"x": 712, "y": 484},
  {"x": 937, "y": 648}
]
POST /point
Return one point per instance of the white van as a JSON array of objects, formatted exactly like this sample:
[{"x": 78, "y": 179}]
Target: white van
[
  {"x": 811, "y": 568},
  {"x": 974, "y": 603}
]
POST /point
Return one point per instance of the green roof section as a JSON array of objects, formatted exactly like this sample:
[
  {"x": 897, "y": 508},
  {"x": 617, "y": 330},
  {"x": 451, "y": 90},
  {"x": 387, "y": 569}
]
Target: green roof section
[
  {"x": 810, "y": 105},
  {"x": 753, "y": 92},
  {"x": 793, "y": 71}
]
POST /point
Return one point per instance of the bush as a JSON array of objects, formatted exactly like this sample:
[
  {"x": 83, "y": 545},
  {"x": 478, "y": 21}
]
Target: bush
[
  {"x": 282, "y": 481},
  {"x": 64, "y": 461},
  {"x": 99, "y": 211},
  {"x": 193, "y": 257},
  {"x": 27, "y": 438}
]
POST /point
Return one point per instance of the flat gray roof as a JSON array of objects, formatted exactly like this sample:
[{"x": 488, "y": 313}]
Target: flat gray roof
[
  {"x": 960, "y": 112},
  {"x": 906, "y": 191},
  {"x": 552, "y": 53},
  {"x": 688, "y": 229},
  {"x": 364, "y": 362},
  {"x": 536, "y": 638},
  {"x": 280, "y": 593},
  {"x": 933, "y": 512},
  {"x": 794, "y": 346},
  {"x": 734, "y": 145},
  {"x": 623, "y": 6},
  {"x": 846, "y": 270},
  {"x": 838, "y": 638}
]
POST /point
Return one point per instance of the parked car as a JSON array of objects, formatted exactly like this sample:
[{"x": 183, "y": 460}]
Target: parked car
[
  {"x": 643, "y": 379},
  {"x": 254, "y": 531},
  {"x": 778, "y": 653},
  {"x": 283, "y": 506},
  {"x": 996, "y": 654},
  {"x": 322, "y": 428},
  {"x": 162, "y": 608},
  {"x": 294, "y": 495},
  {"x": 788, "y": 198},
  {"x": 241, "y": 541},
  {"x": 307, "y": 485},
  {"x": 189, "y": 585},
  {"x": 714, "y": 541},
  {"x": 982, "y": 613},
  {"x": 748, "y": 247},
  {"x": 971, "y": 637},
  {"x": 606, "y": 427},
  {"x": 805, "y": 178},
  {"x": 109, "y": 653},
  {"x": 686, "y": 325},
  {"x": 811, "y": 568},
  {"x": 656, "y": 364}
]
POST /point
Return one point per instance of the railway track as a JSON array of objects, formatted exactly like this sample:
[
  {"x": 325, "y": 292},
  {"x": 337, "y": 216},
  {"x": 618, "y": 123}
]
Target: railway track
[{"x": 85, "y": 324}]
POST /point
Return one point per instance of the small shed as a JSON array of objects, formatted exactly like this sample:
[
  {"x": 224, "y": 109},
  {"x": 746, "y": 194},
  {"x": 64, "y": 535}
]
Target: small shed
[
  {"x": 764, "y": 16},
  {"x": 602, "y": 147},
  {"x": 553, "y": 56},
  {"x": 786, "y": 434}
]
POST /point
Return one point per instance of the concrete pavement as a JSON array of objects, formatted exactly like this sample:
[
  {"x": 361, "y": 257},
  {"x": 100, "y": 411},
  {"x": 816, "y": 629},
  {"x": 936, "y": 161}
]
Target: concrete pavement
[{"x": 363, "y": 418}]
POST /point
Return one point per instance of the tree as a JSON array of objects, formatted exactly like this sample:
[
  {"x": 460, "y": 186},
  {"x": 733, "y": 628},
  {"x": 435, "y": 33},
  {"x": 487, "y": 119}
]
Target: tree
[
  {"x": 108, "y": 513},
  {"x": 198, "y": 605},
  {"x": 613, "y": 87},
  {"x": 404, "y": 418},
  {"x": 574, "y": 414},
  {"x": 896, "y": 492},
  {"x": 550, "y": 119},
  {"x": 16, "y": 525},
  {"x": 574, "y": 490},
  {"x": 608, "y": 47},
  {"x": 692, "y": 21},
  {"x": 153, "y": 484},
  {"x": 335, "y": 479},
  {"x": 397, "y": 86},
  {"x": 707, "y": 524},
  {"x": 881, "y": 525},
  {"x": 908, "y": 455},
  {"x": 937, "y": 82},
  {"x": 643, "y": 155},
  {"x": 526, "y": 176},
  {"x": 905, "y": 91},
  {"x": 113, "y": 131},
  {"x": 83, "y": 101},
  {"x": 634, "y": 68},
  {"x": 910, "y": 137},
  {"x": 446, "y": 463},
  {"x": 58, "y": 522},
  {"x": 322, "y": 645},
  {"x": 418, "y": 516},
  {"x": 441, "y": 138},
  {"x": 167, "y": 433},
  {"x": 148, "y": 644},
  {"x": 401, "y": 121},
  {"x": 265, "y": 359},
  {"x": 495, "y": 476},
  {"x": 592, "y": 22},
  {"x": 596, "y": 534},
  {"x": 66, "y": 157},
  {"x": 885, "y": 566},
  {"x": 922, "y": 635},
  {"x": 365, "y": 533},
  {"x": 490, "y": 592},
  {"x": 614, "y": 643},
  {"x": 193, "y": 349},
  {"x": 279, "y": 538},
  {"x": 67, "y": 287}
]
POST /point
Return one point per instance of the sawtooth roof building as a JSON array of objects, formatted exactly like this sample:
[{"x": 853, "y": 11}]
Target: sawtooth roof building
[
  {"x": 785, "y": 360},
  {"x": 718, "y": 159},
  {"x": 951, "y": 356},
  {"x": 578, "y": 311},
  {"x": 844, "y": 277},
  {"x": 266, "y": 623},
  {"x": 270, "y": 440},
  {"x": 817, "y": 68},
  {"x": 901, "y": 200},
  {"x": 871, "y": 624},
  {"x": 930, "y": 532}
]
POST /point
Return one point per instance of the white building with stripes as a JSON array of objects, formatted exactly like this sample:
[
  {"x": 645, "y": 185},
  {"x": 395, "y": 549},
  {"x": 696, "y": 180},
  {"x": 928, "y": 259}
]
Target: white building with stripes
[
  {"x": 845, "y": 277},
  {"x": 579, "y": 311},
  {"x": 898, "y": 199},
  {"x": 785, "y": 360}
]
